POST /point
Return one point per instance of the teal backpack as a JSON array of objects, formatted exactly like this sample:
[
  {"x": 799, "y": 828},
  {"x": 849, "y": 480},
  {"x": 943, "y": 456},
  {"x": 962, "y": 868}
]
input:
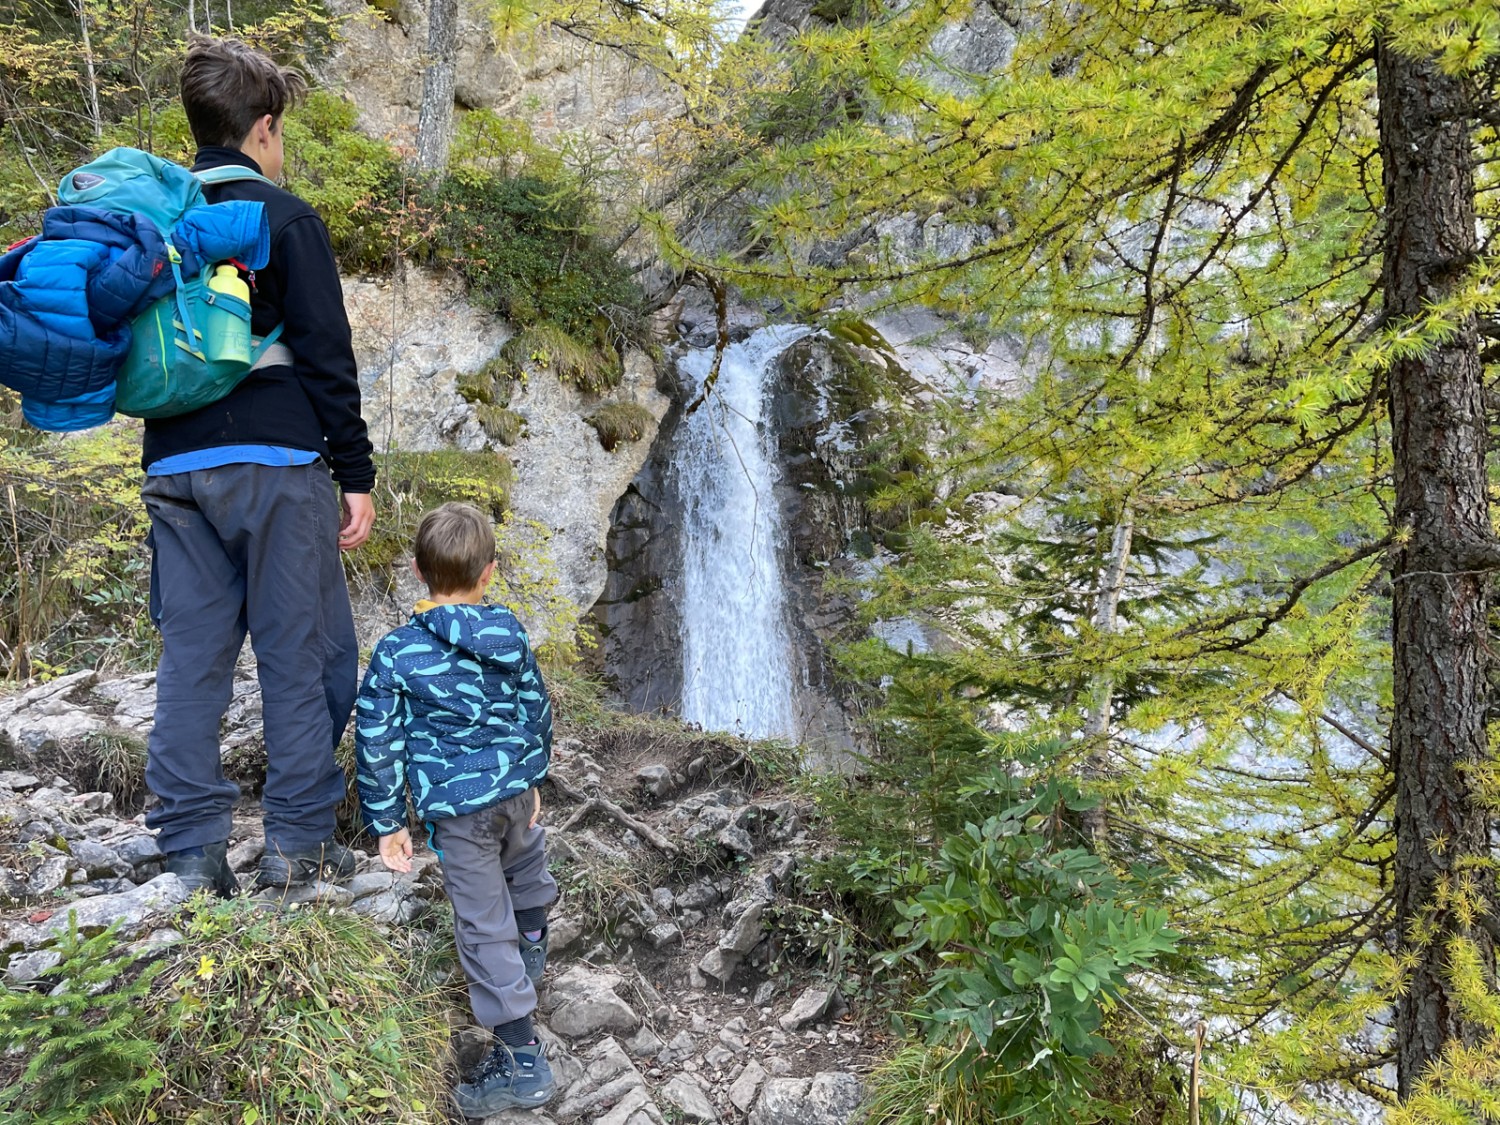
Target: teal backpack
[{"x": 193, "y": 347}]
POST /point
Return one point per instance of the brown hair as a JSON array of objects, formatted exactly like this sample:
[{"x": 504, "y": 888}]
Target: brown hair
[
  {"x": 454, "y": 544},
  {"x": 227, "y": 86}
]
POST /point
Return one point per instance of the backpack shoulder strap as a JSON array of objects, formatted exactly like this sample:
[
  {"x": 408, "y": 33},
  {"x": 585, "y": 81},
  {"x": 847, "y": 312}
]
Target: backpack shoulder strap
[{"x": 229, "y": 173}]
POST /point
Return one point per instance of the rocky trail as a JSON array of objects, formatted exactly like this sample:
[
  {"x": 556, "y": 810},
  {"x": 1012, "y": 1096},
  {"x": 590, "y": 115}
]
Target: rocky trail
[{"x": 678, "y": 987}]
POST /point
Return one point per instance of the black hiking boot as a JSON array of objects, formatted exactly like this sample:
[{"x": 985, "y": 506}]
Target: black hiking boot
[
  {"x": 534, "y": 956},
  {"x": 207, "y": 872},
  {"x": 281, "y": 868},
  {"x": 508, "y": 1078}
]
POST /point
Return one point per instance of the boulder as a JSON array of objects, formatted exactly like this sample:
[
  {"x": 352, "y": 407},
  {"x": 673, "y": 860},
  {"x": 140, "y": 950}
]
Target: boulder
[
  {"x": 829, "y": 1098},
  {"x": 686, "y": 1094},
  {"x": 585, "y": 1003}
]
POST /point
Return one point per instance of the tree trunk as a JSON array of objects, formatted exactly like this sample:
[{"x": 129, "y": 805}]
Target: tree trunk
[
  {"x": 1106, "y": 616},
  {"x": 435, "y": 124},
  {"x": 1440, "y": 611}
]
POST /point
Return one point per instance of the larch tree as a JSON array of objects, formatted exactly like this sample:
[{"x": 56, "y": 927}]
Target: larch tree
[{"x": 1248, "y": 246}]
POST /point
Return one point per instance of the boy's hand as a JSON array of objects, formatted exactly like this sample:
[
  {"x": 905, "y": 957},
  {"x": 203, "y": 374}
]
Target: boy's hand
[
  {"x": 358, "y": 518},
  {"x": 395, "y": 851}
]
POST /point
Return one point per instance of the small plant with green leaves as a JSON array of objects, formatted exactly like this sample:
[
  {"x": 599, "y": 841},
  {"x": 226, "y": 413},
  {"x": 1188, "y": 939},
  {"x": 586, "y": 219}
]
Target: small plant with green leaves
[{"x": 74, "y": 1053}]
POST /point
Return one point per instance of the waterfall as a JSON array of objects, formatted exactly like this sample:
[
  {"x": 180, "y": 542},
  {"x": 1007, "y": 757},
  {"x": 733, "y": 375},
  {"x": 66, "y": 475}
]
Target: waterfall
[{"x": 737, "y": 651}]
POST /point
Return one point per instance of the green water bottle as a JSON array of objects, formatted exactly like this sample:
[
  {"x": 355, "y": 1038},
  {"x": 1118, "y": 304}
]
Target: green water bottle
[{"x": 226, "y": 331}]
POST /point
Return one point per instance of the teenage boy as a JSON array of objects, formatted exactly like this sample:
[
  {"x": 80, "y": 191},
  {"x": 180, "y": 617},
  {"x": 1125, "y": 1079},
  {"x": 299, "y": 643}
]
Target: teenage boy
[
  {"x": 246, "y": 527},
  {"x": 454, "y": 709}
]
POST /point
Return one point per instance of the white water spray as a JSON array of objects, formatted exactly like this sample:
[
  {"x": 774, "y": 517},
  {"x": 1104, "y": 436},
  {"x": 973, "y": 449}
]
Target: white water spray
[{"x": 737, "y": 651}]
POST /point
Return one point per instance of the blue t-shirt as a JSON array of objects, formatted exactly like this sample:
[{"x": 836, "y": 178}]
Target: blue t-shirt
[{"x": 220, "y": 455}]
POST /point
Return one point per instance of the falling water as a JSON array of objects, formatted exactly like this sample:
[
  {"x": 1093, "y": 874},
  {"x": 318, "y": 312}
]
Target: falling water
[{"x": 737, "y": 652}]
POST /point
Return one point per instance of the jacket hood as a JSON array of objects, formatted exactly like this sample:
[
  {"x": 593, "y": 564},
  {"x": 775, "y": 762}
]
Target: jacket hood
[{"x": 489, "y": 633}]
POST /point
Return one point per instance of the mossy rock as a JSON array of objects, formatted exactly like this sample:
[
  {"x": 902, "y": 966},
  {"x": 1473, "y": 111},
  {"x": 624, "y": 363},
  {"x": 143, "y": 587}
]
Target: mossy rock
[
  {"x": 621, "y": 421},
  {"x": 501, "y": 423},
  {"x": 550, "y": 348}
]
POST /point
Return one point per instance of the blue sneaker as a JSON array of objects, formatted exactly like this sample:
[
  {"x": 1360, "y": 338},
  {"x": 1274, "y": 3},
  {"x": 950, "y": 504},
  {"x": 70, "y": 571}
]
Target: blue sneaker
[
  {"x": 534, "y": 956},
  {"x": 508, "y": 1078}
]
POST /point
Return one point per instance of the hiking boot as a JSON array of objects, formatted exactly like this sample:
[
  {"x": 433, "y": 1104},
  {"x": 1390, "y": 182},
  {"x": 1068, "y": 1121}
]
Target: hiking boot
[
  {"x": 297, "y": 867},
  {"x": 207, "y": 872},
  {"x": 508, "y": 1078},
  {"x": 534, "y": 956}
]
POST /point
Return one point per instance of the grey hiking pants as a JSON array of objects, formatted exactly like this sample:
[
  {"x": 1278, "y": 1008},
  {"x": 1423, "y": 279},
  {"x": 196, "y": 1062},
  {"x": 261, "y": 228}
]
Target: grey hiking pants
[
  {"x": 248, "y": 548},
  {"x": 493, "y": 865}
]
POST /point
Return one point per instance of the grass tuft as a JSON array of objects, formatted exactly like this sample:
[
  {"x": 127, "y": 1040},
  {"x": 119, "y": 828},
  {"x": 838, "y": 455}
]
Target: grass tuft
[
  {"x": 550, "y": 347},
  {"x": 621, "y": 421}
]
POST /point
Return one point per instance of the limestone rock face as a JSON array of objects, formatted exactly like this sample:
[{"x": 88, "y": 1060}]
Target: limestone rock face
[
  {"x": 559, "y": 84},
  {"x": 415, "y": 337}
]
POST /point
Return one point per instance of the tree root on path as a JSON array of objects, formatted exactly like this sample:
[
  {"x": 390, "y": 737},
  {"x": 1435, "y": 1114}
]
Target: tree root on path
[{"x": 605, "y": 805}]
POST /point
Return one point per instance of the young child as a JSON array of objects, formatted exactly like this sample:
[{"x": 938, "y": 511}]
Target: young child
[{"x": 453, "y": 708}]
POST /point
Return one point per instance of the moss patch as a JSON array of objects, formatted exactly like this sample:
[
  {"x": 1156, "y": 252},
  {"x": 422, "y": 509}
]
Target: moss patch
[
  {"x": 550, "y": 347},
  {"x": 621, "y": 421}
]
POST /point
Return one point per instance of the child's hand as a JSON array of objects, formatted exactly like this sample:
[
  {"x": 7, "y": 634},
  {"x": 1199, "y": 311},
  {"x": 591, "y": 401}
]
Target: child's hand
[
  {"x": 395, "y": 851},
  {"x": 536, "y": 808}
]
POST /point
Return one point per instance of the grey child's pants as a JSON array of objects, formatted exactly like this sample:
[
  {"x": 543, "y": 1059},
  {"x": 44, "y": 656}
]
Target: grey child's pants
[{"x": 494, "y": 865}]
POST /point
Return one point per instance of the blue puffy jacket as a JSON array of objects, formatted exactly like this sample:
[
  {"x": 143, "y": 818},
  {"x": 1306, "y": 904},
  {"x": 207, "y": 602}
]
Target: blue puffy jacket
[
  {"x": 67, "y": 298},
  {"x": 453, "y": 707}
]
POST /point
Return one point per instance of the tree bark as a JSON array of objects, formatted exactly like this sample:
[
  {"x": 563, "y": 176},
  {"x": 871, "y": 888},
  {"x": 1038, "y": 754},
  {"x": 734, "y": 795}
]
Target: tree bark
[
  {"x": 435, "y": 123},
  {"x": 1106, "y": 617},
  {"x": 1440, "y": 612}
]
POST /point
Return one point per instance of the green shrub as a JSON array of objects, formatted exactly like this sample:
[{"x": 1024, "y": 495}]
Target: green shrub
[
  {"x": 73, "y": 581},
  {"x": 305, "y": 1018},
  {"x": 408, "y": 484},
  {"x": 353, "y": 181},
  {"x": 76, "y": 1052},
  {"x": 621, "y": 421},
  {"x": 524, "y": 246}
]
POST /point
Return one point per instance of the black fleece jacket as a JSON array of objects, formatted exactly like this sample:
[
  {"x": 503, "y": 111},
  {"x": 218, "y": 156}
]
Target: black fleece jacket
[{"x": 313, "y": 405}]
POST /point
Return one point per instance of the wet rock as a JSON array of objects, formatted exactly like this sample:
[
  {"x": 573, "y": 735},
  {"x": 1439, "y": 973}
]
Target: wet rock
[
  {"x": 746, "y": 1087},
  {"x": 808, "y": 1009},
  {"x": 829, "y": 1098},
  {"x": 586, "y": 1003},
  {"x": 687, "y": 1095}
]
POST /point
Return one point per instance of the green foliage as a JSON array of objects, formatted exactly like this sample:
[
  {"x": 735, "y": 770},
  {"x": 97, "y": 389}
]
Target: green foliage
[
  {"x": 501, "y": 424},
  {"x": 77, "y": 1055},
  {"x": 549, "y": 346},
  {"x": 259, "y": 1016},
  {"x": 409, "y": 484},
  {"x": 621, "y": 421},
  {"x": 311, "y": 1016},
  {"x": 1028, "y": 941},
  {"x": 524, "y": 246},
  {"x": 354, "y": 181},
  {"x": 72, "y": 530}
]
